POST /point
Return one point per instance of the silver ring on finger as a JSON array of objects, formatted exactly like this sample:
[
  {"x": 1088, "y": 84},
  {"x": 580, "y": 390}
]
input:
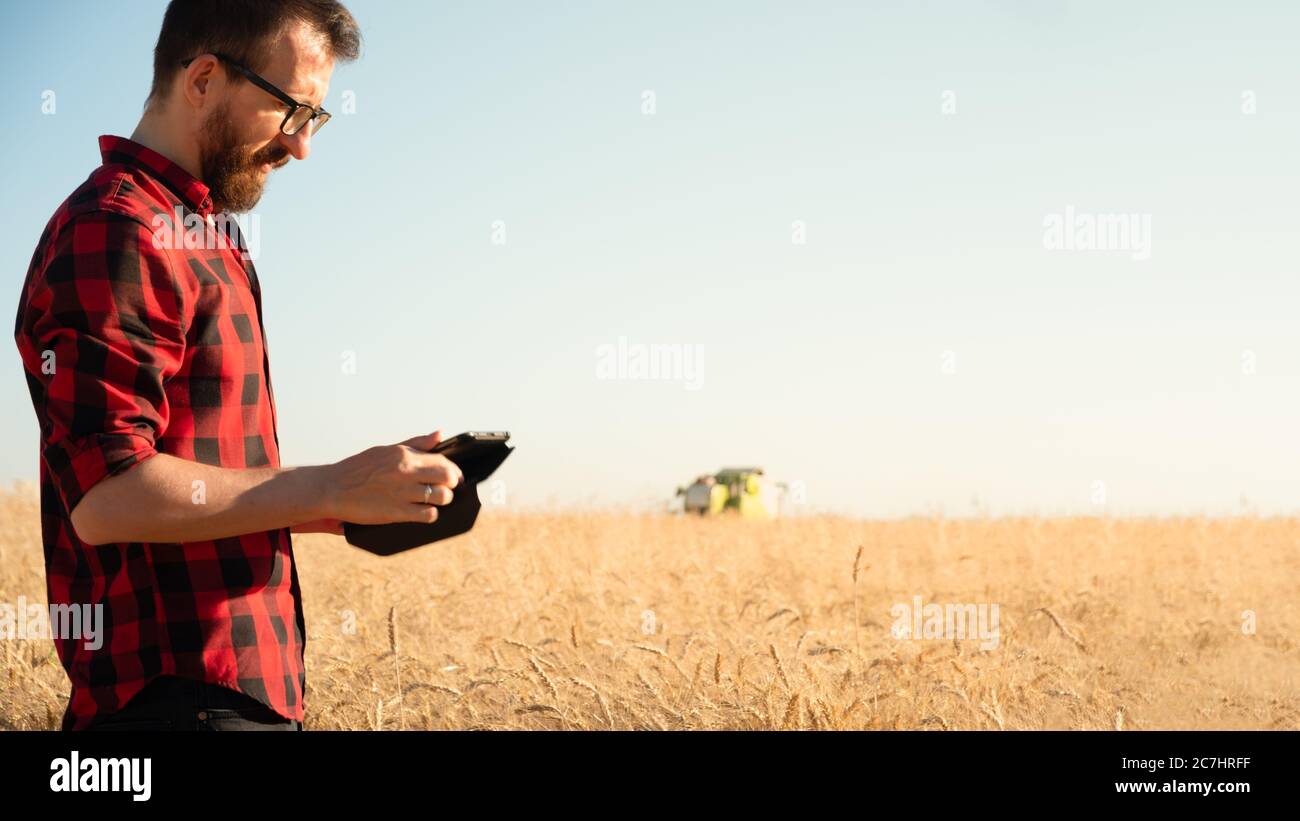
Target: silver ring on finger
[{"x": 428, "y": 491}]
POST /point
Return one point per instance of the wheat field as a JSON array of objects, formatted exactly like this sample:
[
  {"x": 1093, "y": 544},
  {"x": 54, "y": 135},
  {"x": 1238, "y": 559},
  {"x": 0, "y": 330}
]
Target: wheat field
[{"x": 628, "y": 621}]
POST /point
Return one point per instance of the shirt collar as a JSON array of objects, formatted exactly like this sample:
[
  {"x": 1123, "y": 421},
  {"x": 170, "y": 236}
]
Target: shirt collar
[{"x": 190, "y": 190}]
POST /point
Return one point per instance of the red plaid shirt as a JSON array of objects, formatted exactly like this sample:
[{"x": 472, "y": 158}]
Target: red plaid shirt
[{"x": 134, "y": 344}]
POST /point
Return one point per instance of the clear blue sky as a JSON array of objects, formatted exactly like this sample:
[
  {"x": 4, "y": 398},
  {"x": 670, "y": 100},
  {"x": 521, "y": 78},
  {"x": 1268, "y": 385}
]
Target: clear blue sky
[{"x": 824, "y": 361}]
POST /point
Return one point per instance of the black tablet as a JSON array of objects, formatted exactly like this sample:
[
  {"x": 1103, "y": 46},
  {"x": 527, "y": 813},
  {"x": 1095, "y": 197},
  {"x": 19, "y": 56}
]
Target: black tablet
[{"x": 478, "y": 454}]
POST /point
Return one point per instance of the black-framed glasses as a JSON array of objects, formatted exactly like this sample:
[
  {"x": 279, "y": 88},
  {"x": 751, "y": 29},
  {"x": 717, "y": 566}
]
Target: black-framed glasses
[{"x": 299, "y": 113}]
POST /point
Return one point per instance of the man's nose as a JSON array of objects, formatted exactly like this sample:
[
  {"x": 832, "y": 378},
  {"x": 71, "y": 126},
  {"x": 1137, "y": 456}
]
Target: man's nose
[{"x": 299, "y": 145}]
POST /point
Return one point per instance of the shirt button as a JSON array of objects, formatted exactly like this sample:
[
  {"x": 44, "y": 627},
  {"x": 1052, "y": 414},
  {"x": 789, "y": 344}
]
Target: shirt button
[{"x": 203, "y": 716}]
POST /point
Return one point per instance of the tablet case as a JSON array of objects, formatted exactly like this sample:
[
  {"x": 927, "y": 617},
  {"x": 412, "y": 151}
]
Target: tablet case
[{"x": 477, "y": 463}]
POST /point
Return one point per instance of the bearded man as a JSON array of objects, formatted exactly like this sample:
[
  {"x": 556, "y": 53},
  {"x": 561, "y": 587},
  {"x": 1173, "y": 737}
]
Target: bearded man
[{"x": 164, "y": 506}]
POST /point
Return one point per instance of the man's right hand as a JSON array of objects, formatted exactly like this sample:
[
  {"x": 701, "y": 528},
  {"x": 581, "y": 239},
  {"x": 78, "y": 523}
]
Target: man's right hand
[
  {"x": 386, "y": 483},
  {"x": 155, "y": 500}
]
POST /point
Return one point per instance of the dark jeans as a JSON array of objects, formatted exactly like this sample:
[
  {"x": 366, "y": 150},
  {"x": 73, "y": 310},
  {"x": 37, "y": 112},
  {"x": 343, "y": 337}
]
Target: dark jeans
[{"x": 174, "y": 703}]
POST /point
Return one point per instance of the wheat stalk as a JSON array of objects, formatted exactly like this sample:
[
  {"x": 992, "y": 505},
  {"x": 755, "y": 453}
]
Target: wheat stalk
[
  {"x": 397, "y": 664},
  {"x": 523, "y": 646},
  {"x": 857, "y": 619},
  {"x": 1060, "y": 626},
  {"x": 609, "y": 720},
  {"x": 659, "y": 652},
  {"x": 791, "y": 712},
  {"x": 780, "y": 668},
  {"x": 545, "y": 678}
]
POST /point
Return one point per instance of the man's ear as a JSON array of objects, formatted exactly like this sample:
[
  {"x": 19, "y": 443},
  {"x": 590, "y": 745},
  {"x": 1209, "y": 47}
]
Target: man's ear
[{"x": 200, "y": 79}]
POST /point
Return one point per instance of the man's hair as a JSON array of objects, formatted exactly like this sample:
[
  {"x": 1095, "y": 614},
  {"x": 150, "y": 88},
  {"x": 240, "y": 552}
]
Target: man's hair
[{"x": 246, "y": 30}]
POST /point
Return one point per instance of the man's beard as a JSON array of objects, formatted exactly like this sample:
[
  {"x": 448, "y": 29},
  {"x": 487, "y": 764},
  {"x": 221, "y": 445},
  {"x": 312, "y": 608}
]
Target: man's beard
[{"x": 231, "y": 170}]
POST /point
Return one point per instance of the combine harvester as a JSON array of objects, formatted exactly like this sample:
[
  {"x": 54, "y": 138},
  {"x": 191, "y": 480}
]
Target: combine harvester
[{"x": 746, "y": 492}]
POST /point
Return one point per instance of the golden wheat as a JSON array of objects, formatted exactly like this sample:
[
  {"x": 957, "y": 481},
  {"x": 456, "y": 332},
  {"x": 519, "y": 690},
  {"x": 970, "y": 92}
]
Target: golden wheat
[{"x": 537, "y": 621}]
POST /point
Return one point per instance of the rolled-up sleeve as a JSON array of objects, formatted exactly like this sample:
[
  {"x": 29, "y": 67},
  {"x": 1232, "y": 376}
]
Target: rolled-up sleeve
[{"x": 105, "y": 330}]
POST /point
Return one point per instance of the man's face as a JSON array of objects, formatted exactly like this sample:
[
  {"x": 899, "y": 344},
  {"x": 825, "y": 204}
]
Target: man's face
[{"x": 240, "y": 141}]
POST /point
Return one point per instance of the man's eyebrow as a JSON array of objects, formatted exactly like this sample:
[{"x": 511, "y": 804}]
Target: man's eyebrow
[{"x": 301, "y": 97}]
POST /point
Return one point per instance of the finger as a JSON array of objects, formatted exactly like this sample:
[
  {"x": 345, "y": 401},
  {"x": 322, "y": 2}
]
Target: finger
[
  {"x": 427, "y": 514},
  {"x": 441, "y": 495},
  {"x": 424, "y": 442},
  {"x": 443, "y": 471}
]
